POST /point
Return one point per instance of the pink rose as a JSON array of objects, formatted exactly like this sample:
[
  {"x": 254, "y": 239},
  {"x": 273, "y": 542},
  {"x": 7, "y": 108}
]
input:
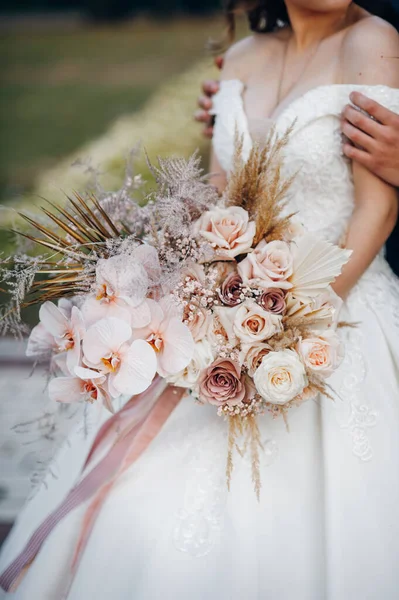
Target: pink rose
[
  {"x": 252, "y": 324},
  {"x": 252, "y": 356},
  {"x": 268, "y": 266},
  {"x": 273, "y": 300},
  {"x": 228, "y": 230},
  {"x": 222, "y": 383},
  {"x": 322, "y": 354},
  {"x": 197, "y": 320}
]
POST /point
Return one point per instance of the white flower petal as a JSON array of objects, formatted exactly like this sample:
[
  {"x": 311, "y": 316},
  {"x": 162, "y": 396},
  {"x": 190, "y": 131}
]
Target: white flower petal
[
  {"x": 65, "y": 389},
  {"x": 84, "y": 373},
  {"x": 105, "y": 337},
  {"x": 40, "y": 341},
  {"x": 53, "y": 319},
  {"x": 140, "y": 315},
  {"x": 178, "y": 348},
  {"x": 137, "y": 370}
]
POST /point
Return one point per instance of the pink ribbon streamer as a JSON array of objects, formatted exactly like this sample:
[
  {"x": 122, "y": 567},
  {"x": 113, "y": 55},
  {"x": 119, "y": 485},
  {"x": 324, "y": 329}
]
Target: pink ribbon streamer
[{"x": 130, "y": 431}]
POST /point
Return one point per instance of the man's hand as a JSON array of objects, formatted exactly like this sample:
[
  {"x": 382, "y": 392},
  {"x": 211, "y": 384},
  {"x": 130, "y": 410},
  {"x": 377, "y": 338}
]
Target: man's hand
[
  {"x": 375, "y": 139},
  {"x": 209, "y": 89}
]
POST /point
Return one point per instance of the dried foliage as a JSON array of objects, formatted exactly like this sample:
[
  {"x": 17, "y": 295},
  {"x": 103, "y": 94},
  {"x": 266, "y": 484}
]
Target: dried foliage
[
  {"x": 247, "y": 430},
  {"x": 88, "y": 227},
  {"x": 182, "y": 195},
  {"x": 259, "y": 187}
]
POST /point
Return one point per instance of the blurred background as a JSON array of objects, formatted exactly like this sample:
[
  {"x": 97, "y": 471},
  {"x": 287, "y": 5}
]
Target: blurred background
[{"x": 85, "y": 81}]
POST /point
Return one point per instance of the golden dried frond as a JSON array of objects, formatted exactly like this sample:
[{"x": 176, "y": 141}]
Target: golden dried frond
[
  {"x": 317, "y": 384},
  {"x": 304, "y": 324},
  {"x": 230, "y": 449},
  {"x": 74, "y": 232},
  {"x": 286, "y": 339},
  {"x": 343, "y": 324},
  {"x": 257, "y": 185},
  {"x": 255, "y": 445},
  {"x": 248, "y": 429}
]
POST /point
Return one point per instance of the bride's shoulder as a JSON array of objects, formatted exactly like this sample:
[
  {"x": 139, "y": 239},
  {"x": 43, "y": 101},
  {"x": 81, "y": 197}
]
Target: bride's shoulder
[
  {"x": 370, "y": 52},
  {"x": 244, "y": 56}
]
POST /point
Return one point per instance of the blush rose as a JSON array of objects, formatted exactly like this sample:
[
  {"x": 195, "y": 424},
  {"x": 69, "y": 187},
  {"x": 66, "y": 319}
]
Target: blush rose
[
  {"x": 268, "y": 266},
  {"x": 228, "y": 230}
]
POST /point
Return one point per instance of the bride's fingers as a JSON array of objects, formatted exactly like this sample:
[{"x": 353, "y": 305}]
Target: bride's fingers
[
  {"x": 210, "y": 87},
  {"x": 205, "y": 103},
  {"x": 380, "y": 113},
  {"x": 362, "y": 121},
  {"x": 358, "y": 155},
  {"x": 357, "y": 137}
]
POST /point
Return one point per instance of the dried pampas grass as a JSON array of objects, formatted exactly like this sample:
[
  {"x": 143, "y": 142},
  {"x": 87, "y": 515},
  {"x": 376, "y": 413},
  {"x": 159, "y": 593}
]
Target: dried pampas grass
[{"x": 258, "y": 186}]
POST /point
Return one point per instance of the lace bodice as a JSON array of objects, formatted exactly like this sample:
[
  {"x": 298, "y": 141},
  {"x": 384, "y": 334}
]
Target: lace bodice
[{"x": 322, "y": 193}]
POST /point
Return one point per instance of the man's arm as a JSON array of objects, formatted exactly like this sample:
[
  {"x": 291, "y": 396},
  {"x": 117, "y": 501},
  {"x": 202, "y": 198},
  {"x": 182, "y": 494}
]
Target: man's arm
[{"x": 376, "y": 137}]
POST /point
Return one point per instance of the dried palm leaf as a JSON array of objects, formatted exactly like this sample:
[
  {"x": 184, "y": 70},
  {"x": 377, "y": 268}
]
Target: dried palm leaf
[{"x": 77, "y": 235}]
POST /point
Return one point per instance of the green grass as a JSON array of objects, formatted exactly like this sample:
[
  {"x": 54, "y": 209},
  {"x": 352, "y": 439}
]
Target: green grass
[{"x": 59, "y": 89}]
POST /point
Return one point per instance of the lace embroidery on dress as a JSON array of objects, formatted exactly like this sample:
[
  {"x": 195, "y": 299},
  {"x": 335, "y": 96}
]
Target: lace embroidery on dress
[
  {"x": 359, "y": 417},
  {"x": 199, "y": 520}
]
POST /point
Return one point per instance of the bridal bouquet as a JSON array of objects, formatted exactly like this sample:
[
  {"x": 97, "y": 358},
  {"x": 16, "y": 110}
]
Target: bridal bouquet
[{"x": 227, "y": 297}]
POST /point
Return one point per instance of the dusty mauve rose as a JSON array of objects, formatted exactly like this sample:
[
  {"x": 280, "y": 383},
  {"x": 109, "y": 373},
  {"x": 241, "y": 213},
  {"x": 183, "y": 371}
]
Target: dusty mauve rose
[
  {"x": 268, "y": 266},
  {"x": 273, "y": 300},
  {"x": 231, "y": 290},
  {"x": 227, "y": 229},
  {"x": 222, "y": 383},
  {"x": 322, "y": 354}
]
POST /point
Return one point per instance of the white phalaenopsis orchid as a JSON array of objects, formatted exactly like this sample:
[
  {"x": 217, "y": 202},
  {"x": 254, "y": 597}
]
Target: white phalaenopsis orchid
[
  {"x": 109, "y": 349},
  {"x": 171, "y": 340},
  {"x": 87, "y": 385},
  {"x": 56, "y": 332},
  {"x": 120, "y": 291}
]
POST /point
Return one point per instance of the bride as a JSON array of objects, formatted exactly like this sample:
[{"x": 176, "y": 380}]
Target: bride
[{"x": 327, "y": 524}]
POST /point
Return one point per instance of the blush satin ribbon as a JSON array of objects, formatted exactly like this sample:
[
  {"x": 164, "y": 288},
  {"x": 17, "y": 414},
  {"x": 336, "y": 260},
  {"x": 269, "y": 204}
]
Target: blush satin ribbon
[{"x": 128, "y": 433}]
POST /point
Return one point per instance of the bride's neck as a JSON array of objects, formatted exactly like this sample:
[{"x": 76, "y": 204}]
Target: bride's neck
[{"x": 309, "y": 26}]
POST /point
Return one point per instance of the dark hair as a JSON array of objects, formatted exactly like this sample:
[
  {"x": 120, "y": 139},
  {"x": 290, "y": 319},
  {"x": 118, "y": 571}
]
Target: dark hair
[{"x": 267, "y": 15}]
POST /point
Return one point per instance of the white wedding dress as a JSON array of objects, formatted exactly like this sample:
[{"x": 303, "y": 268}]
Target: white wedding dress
[{"x": 327, "y": 524}]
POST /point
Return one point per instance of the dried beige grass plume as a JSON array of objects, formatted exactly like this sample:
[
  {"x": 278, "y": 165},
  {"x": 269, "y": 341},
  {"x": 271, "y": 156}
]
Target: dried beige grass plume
[{"x": 258, "y": 186}]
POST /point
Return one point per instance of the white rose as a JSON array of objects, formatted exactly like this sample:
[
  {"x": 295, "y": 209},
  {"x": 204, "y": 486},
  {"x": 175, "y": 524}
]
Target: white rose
[
  {"x": 280, "y": 377},
  {"x": 254, "y": 324},
  {"x": 229, "y": 230},
  {"x": 203, "y": 357},
  {"x": 322, "y": 353}
]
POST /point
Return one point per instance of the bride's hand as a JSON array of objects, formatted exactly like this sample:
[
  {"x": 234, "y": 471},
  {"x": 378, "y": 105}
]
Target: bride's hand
[
  {"x": 376, "y": 139},
  {"x": 209, "y": 89}
]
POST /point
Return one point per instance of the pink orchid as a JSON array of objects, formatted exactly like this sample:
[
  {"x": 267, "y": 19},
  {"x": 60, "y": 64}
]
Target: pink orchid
[
  {"x": 171, "y": 340},
  {"x": 87, "y": 385},
  {"x": 56, "y": 332},
  {"x": 120, "y": 292},
  {"x": 130, "y": 366}
]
